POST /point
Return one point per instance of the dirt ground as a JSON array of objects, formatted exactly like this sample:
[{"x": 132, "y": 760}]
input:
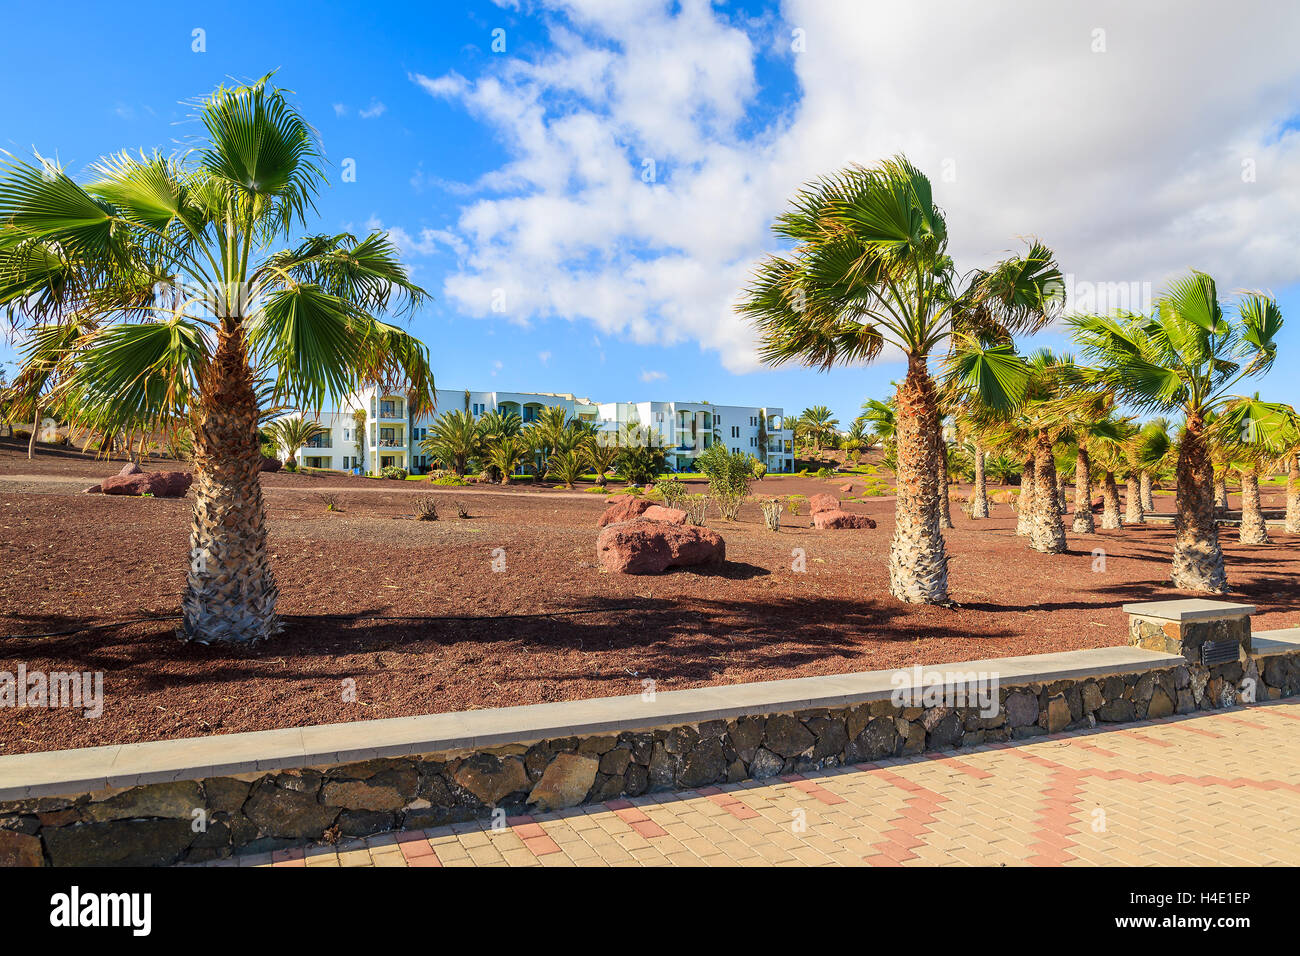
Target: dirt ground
[{"x": 415, "y": 615}]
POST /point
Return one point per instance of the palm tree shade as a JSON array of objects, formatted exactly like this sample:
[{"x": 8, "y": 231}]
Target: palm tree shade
[{"x": 162, "y": 279}]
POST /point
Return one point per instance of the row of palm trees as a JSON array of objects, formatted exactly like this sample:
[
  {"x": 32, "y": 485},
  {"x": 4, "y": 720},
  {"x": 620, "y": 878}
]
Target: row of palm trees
[
  {"x": 499, "y": 443},
  {"x": 868, "y": 269}
]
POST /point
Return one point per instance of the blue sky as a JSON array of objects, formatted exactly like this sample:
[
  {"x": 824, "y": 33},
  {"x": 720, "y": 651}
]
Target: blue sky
[{"x": 524, "y": 171}]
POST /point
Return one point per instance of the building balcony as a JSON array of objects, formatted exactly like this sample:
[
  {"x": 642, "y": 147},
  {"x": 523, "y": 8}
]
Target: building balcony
[{"x": 392, "y": 443}]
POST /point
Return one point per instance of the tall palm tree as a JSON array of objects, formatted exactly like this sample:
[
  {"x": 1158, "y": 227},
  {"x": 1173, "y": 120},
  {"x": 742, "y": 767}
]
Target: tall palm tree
[
  {"x": 1157, "y": 445},
  {"x": 291, "y": 434},
  {"x": 168, "y": 268},
  {"x": 1186, "y": 357},
  {"x": 870, "y": 268},
  {"x": 454, "y": 440}
]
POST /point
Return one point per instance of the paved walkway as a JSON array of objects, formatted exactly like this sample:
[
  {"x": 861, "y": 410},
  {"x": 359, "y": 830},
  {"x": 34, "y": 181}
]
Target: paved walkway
[{"x": 1212, "y": 789}]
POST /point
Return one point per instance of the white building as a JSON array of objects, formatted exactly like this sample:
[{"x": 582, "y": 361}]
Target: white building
[
  {"x": 686, "y": 429},
  {"x": 388, "y": 435}
]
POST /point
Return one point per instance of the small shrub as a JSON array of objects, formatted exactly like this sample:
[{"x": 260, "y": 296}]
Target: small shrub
[
  {"x": 695, "y": 507},
  {"x": 728, "y": 505},
  {"x": 462, "y": 509},
  {"x": 772, "y": 514},
  {"x": 394, "y": 473},
  {"x": 291, "y": 466},
  {"x": 672, "y": 491},
  {"x": 455, "y": 481},
  {"x": 825, "y": 473},
  {"x": 759, "y": 469},
  {"x": 331, "y": 502},
  {"x": 426, "y": 509},
  {"x": 794, "y": 504}
]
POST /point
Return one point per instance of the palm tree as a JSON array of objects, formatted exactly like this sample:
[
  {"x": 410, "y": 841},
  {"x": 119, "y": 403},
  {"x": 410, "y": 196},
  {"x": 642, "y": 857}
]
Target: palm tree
[
  {"x": 600, "y": 454},
  {"x": 291, "y": 434},
  {"x": 1186, "y": 357},
  {"x": 870, "y": 268},
  {"x": 879, "y": 420},
  {"x": 565, "y": 465},
  {"x": 166, "y": 268},
  {"x": 505, "y": 455},
  {"x": 454, "y": 440},
  {"x": 818, "y": 423},
  {"x": 1157, "y": 444}
]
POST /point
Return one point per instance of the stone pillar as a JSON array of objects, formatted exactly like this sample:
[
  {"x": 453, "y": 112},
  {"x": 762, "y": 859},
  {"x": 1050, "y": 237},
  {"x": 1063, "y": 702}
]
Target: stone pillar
[{"x": 1202, "y": 631}]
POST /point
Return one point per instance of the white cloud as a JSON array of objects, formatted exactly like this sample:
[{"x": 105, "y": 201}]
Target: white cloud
[
  {"x": 425, "y": 244},
  {"x": 340, "y": 109},
  {"x": 1127, "y": 162},
  {"x": 375, "y": 109},
  {"x": 544, "y": 357},
  {"x": 652, "y": 376}
]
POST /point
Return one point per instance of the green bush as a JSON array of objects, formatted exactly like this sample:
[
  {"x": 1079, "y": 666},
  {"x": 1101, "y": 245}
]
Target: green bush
[
  {"x": 395, "y": 473},
  {"x": 672, "y": 490},
  {"x": 729, "y": 474},
  {"x": 639, "y": 464},
  {"x": 291, "y": 466},
  {"x": 454, "y": 480}
]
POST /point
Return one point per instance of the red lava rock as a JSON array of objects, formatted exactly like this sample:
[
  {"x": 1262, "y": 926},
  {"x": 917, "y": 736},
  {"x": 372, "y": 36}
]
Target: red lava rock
[
  {"x": 627, "y": 509},
  {"x": 271, "y": 464},
  {"x": 835, "y": 519},
  {"x": 160, "y": 484},
  {"x": 93, "y": 490},
  {"x": 660, "y": 513},
  {"x": 823, "y": 503},
  {"x": 847, "y": 488},
  {"x": 651, "y": 547}
]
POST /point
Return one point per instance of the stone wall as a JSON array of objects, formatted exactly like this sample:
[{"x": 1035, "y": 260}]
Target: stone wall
[{"x": 196, "y": 820}]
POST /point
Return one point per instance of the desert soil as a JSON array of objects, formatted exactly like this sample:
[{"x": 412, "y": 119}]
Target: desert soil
[{"x": 415, "y": 615}]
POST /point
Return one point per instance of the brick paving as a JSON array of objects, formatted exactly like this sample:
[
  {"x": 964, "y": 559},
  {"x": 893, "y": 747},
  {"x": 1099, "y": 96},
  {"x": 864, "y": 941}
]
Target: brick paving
[{"x": 1207, "y": 790}]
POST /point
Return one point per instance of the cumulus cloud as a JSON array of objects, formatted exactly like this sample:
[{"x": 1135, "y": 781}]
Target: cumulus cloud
[
  {"x": 652, "y": 376},
  {"x": 1137, "y": 140}
]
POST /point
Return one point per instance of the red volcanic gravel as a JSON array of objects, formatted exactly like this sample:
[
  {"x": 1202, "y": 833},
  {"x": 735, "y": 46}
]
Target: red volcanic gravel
[{"x": 414, "y": 613}]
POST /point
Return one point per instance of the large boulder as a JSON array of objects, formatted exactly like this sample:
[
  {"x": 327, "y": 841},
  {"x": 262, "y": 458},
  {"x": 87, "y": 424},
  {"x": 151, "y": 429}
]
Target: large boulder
[
  {"x": 271, "y": 464},
  {"x": 627, "y": 509},
  {"x": 835, "y": 519},
  {"x": 823, "y": 503},
  {"x": 160, "y": 484},
  {"x": 651, "y": 547},
  {"x": 660, "y": 513}
]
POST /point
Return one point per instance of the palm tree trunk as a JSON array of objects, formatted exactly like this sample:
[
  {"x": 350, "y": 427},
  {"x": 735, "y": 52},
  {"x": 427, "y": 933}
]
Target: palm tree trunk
[
  {"x": 1062, "y": 502},
  {"x": 980, "y": 500},
  {"x": 230, "y": 593},
  {"x": 1083, "y": 520},
  {"x": 1198, "y": 559},
  {"x": 1025, "y": 507},
  {"x": 31, "y": 439},
  {"x": 1293, "y": 497},
  {"x": 945, "y": 502},
  {"x": 918, "y": 563},
  {"x": 1253, "y": 529},
  {"x": 1148, "y": 501},
  {"x": 1133, "y": 501},
  {"x": 1221, "y": 490},
  {"x": 1110, "y": 502},
  {"x": 1049, "y": 530}
]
